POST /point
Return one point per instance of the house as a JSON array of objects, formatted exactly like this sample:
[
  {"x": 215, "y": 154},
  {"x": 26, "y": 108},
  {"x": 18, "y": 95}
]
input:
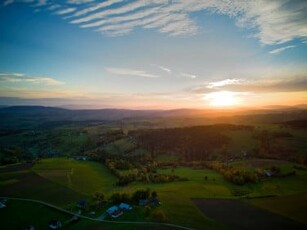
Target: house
[
  {"x": 269, "y": 173},
  {"x": 82, "y": 204},
  {"x": 155, "y": 201},
  {"x": 75, "y": 218},
  {"x": 143, "y": 202},
  {"x": 30, "y": 227},
  {"x": 2, "y": 205},
  {"x": 114, "y": 211},
  {"x": 55, "y": 224},
  {"x": 124, "y": 206}
]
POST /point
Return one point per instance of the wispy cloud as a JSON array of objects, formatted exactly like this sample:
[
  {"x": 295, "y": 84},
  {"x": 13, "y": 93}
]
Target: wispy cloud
[
  {"x": 187, "y": 75},
  {"x": 294, "y": 84},
  {"x": 11, "y": 74},
  {"x": 131, "y": 72},
  {"x": 65, "y": 11},
  {"x": 7, "y": 2},
  {"x": 218, "y": 84},
  {"x": 79, "y": 1},
  {"x": 272, "y": 22},
  {"x": 38, "y": 2},
  {"x": 114, "y": 11},
  {"x": 54, "y": 7},
  {"x": 279, "y": 50},
  {"x": 163, "y": 68},
  {"x": 20, "y": 77},
  {"x": 96, "y": 7}
]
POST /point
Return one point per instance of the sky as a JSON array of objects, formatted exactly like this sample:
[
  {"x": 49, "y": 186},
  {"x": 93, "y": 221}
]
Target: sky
[{"x": 153, "y": 54}]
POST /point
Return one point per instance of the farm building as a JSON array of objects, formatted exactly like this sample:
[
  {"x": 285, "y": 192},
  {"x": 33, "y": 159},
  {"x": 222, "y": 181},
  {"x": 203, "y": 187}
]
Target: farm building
[
  {"x": 124, "y": 206},
  {"x": 55, "y": 224},
  {"x": 82, "y": 204},
  {"x": 114, "y": 211},
  {"x": 143, "y": 202},
  {"x": 2, "y": 205}
]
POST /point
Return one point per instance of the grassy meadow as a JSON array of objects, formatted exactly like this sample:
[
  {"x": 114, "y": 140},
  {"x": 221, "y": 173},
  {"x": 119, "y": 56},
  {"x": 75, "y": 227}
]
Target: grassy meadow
[{"x": 82, "y": 176}]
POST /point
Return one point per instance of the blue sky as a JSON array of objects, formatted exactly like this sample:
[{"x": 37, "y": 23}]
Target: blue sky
[{"x": 153, "y": 53}]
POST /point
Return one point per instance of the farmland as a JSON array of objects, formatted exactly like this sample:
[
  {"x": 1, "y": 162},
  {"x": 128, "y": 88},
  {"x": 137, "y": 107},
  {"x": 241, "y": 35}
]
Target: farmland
[
  {"x": 83, "y": 177},
  {"x": 69, "y": 162},
  {"x": 176, "y": 197}
]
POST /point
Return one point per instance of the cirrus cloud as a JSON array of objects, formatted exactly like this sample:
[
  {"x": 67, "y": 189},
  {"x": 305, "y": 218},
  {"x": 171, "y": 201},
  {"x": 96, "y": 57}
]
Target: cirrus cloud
[
  {"x": 279, "y": 50},
  {"x": 130, "y": 72},
  {"x": 294, "y": 84},
  {"x": 272, "y": 22},
  {"x": 21, "y": 77}
]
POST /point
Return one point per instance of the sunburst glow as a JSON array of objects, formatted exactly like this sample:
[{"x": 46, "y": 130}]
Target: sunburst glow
[{"x": 222, "y": 99}]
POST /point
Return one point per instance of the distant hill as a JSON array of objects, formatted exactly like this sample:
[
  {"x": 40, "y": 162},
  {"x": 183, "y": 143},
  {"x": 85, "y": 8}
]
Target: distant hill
[{"x": 36, "y": 116}]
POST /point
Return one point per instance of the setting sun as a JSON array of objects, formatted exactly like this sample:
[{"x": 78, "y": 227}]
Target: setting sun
[{"x": 222, "y": 99}]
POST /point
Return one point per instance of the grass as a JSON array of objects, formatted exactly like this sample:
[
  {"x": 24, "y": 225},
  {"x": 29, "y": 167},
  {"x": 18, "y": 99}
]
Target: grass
[
  {"x": 28, "y": 213},
  {"x": 175, "y": 197},
  {"x": 9, "y": 181},
  {"x": 119, "y": 147},
  {"x": 82, "y": 176},
  {"x": 166, "y": 158},
  {"x": 87, "y": 177},
  {"x": 241, "y": 140},
  {"x": 261, "y": 163},
  {"x": 9, "y": 165},
  {"x": 277, "y": 186},
  {"x": 29, "y": 185},
  {"x": 20, "y": 214}
]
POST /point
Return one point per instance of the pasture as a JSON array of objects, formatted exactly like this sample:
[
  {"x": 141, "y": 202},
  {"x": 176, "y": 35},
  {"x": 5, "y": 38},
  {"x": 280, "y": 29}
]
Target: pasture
[
  {"x": 27, "y": 184},
  {"x": 29, "y": 213},
  {"x": 81, "y": 176},
  {"x": 120, "y": 147},
  {"x": 75, "y": 180}
]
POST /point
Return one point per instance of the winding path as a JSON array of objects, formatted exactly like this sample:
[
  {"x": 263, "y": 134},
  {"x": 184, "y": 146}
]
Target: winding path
[{"x": 96, "y": 219}]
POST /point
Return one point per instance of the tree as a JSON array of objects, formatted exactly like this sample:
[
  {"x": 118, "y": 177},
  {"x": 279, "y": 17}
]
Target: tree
[
  {"x": 99, "y": 197},
  {"x": 154, "y": 194},
  {"x": 115, "y": 198}
]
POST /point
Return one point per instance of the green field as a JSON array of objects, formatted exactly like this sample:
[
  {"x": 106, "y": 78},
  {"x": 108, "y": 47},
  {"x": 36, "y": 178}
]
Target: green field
[
  {"x": 80, "y": 179},
  {"x": 88, "y": 177},
  {"x": 82, "y": 176},
  {"x": 27, "y": 184},
  {"x": 20, "y": 214},
  {"x": 119, "y": 147},
  {"x": 241, "y": 140}
]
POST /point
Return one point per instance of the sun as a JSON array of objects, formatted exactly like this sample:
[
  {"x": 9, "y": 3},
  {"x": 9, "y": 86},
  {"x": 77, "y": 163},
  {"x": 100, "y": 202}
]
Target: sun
[{"x": 222, "y": 99}]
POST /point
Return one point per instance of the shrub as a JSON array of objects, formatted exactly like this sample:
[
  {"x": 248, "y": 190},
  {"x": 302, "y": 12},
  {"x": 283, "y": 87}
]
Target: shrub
[{"x": 140, "y": 195}]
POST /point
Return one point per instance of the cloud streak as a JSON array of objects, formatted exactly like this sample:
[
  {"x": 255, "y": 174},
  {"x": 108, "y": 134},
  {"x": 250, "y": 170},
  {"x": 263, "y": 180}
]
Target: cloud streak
[
  {"x": 131, "y": 72},
  {"x": 187, "y": 75},
  {"x": 218, "y": 84},
  {"x": 295, "y": 84},
  {"x": 20, "y": 77},
  {"x": 163, "y": 68},
  {"x": 65, "y": 11},
  {"x": 279, "y": 50}
]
